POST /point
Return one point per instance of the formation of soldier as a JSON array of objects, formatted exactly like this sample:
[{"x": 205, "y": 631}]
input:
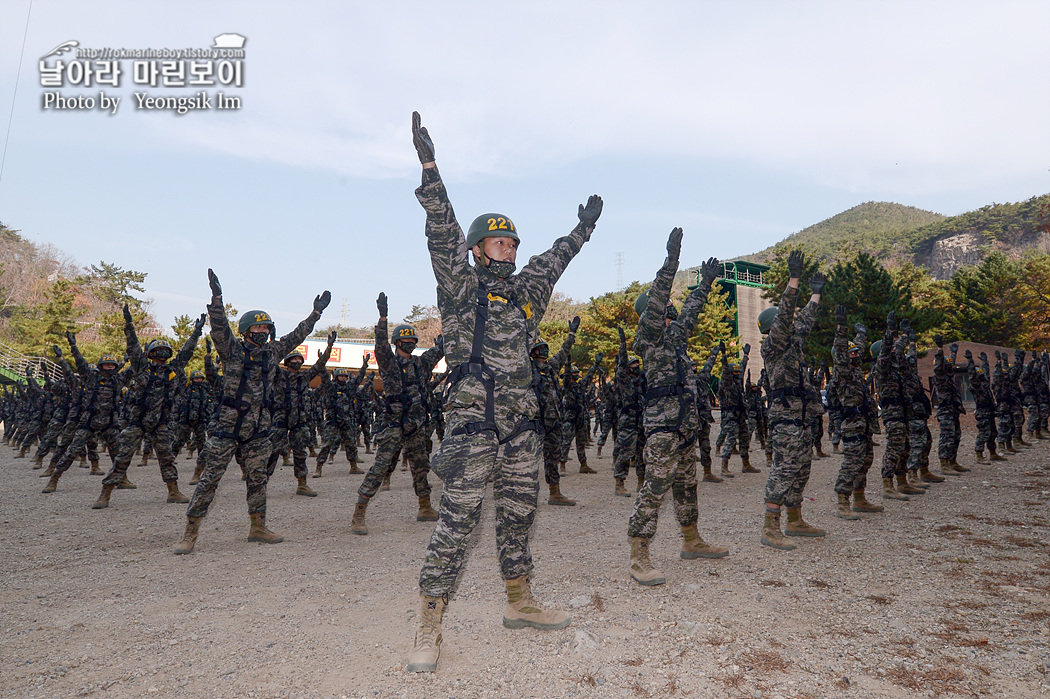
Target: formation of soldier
[{"x": 506, "y": 408}]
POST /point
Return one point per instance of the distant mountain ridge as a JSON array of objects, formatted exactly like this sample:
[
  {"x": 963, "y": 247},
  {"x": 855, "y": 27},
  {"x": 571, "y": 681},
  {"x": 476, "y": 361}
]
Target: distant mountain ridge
[{"x": 896, "y": 233}]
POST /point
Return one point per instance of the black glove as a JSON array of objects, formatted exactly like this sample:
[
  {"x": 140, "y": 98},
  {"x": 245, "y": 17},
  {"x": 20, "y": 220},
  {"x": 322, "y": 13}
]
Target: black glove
[
  {"x": 421, "y": 140},
  {"x": 939, "y": 341},
  {"x": 840, "y": 315},
  {"x": 199, "y": 324},
  {"x": 439, "y": 342},
  {"x": 623, "y": 337},
  {"x": 891, "y": 321},
  {"x": 674, "y": 243},
  {"x": 574, "y": 324},
  {"x": 817, "y": 282},
  {"x": 984, "y": 356},
  {"x": 381, "y": 304},
  {"x": 911, "y": 334},
  {"x": 747, "y": 349},
  {"x": 73, "y": 340},
  {"x": 721, "y": 346},
  {"x": 717, "y": 348},
  {"x": 216, "y": 288},
  {"x": 321, "y": 302},
  {"x": 796, "y": 260},
  {"x": 207, "y": 343},
  {"x": 710, "y": 269},
  {"x": 127, "y": 314},
  {"x": 589, "y": 214},
  {"x": 1019, "y": 355},
  {"x": 905, "y": 325},
  {"x": 331, "y": 338},
  {"x": 968, "y": 354},
  {"x": 955, "y": 347},
  {"x": 599, "y": 357},
  {"x": 859, "y": 328},
  {"x": 57, "y": 350},
  {"x": 998, "y": 355}
]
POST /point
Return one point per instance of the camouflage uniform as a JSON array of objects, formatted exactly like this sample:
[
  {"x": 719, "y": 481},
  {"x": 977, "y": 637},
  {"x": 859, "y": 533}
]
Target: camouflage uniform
[
  {"x": 192, "y": 417},
  {"x": 671, "y": 419},
  {"x": 243, "y": 421},
  {"x": 606, "y": 411},
  {"x": 574, "y": 422},
  {"x": 340, "y": 426},
  {"x": 630, "y": 440},
  {"x": 62, "y": 394},
  {"x": 851, "y": 394},
  {"x": 949, "y": 406},
  {"x": 41, "y": 408},
  {"x": 920, "y": 439},
  {"x": 1030, "y": 392},
  {"x": 550, "y": 407},
  {"x": 703, "y": 412},
  {"x": 403, "y": 413},
  {"x": 835, "y": 412},
  {"x": 1004, "y": 411},
  {"x": 890, "y": 382},
  {"x": 1013, "y": 383},
  {"x": 489, "y": 325},
  {"x": 984, "y": 407},
  {"x": 789, "y": 401},
  {"x": 733, "y": 410},
  {"x": 291, "y": 408},
  {"x": 148, "y": 404}
]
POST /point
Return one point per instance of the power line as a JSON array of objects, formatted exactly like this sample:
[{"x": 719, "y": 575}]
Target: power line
[{"x": 11, "y": 116}]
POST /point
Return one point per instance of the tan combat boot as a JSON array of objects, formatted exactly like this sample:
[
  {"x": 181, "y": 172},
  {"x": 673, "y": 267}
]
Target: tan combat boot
[
  {"x": 145, "y": 460},
  {"x": 125, "y": 484},
  {"x": 641, "y": 478},
  {"x": 771, "y": 535},
  {"x": 861, "y": 503},
  {"x": 83, "y": 461},
  {"x": 694, "y": 546},
  {"x": 993, "y": 455},
  {"x": 980, "y": 457},
  {"x": 259, "y": 532},
  {"x": 426, "y": 512},
  {"x": 386, "y": 482},
  {"x": 103, "y": 499},
  {"x": 49, "y": 471},
  {"x": 189, "y": 538},
  {"x": 355, "y": 469},
  {"x": 584, "y": 468},
  {"x": 197, "y": 471},
  {"x": 903, "y": 486},
  {"x": 427, "y": 646},
  {"x": 947, "y": 470},
  {"x": 317, "y": 470},
  {"x": 174, "y": 495},
  {"x": 22, "y": 453},
  {"x": 889, "y": 492},
  {"x": 915, "y": 481},
  {"x": 556, "y": 498},
  {"x": 642, "y": 569},
  {"x": 835, "y": 449},
  {"x": 52, "y": 484},
  {"x": 522, "y": 610},
  {"x": 95, "y": 470},
  {"x": 796, "y": 526},
  {"x": 38, "y": 462},
  {"x": 748, "y": 468},
  {"x": 357, "y": 523},
  {"x": 843, "y": 509},
  {"x": 929, "y": 476},
  {"x": 710, "y": 477},
  {"x": 725, "y": 468},
  {"x": 304, "y": 489},
  {"x": 820, "y": 452},
  {"x": 955, "y": 465},
  {"x": 621, "y": 489},
  {"x": 1010, "y": 447}
]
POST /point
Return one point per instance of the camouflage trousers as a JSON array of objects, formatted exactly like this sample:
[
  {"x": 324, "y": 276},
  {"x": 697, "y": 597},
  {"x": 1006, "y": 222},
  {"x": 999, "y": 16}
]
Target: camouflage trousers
[
  {"x": 365, "y": 430},
  {"x": 1004, "y": 418},
  {"x": 893, "y": 459},
  {"x": 82, "y": 439},
  {"x": 703, "y": 443},
  {"x": 835, "y": 426},
  {"x": 389, "y": 443},
  {"x": 296, "y": 440},
  {"x": 857, "y": 457},
  {"x": 334, "y": 435},
  {"x": 50, "y": 439},
  {"x": 253, "y": 456},
  {"x": 792, "y": 460},
  {"x": 605, "y": 426},
  {"x": 1018, "y": 421},
  {"x": 193, "y": 434},
  {"x": 920, "y": 442},
  {"x": 816, "y": 427},
  {"x": 65, "y": 437},
  {"x": 1044, "y": 414},
  {"x": 734, "y": 427},
  {"x": 949, "y": 437},
  {"x": 552, "y": 453},
  {"x": 670, "y": 465},
  {"x": 36, "y": 430},
  {"x": 465, "y": 463},
  {"x": 574, "y": 427},
  {"x": 629, "y": 443},
  {"x": 1034, "y": 421},
  {"x": 985, "y": 419},
  {"x": 128, "y": 443}
]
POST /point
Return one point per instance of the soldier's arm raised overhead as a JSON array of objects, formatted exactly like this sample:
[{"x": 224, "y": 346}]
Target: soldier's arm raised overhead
[
  {"x": 562, "y": 355},
  {"x": 221, "y": 335},
  {"x": 807, "y": 317},
  {"x": 651, "y": 317},
  {"x": 840, "y": 346},
  {"x": 318, "y": 369},
  {"x": 432, "y": 356},
  {"x": 134, "y": 348},
  {"x": 686, "y": 322},
  {"x": 384, "y": 355},
  {"x": 186, "y": 351},
  {"x": 780, "y": 328},
  {"x": 295, "y": 338},
  {"x": 78, "y": 358}
]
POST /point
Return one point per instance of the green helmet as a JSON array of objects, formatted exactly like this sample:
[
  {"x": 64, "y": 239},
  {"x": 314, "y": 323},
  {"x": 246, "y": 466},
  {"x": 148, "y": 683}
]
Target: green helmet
[
  {"x": 491, "y": 226},
  {"x": 197, "y": 374},
  {"x": 405, "y": 332},
  {"x": 765, "y": 319},
  {"x": 341, "y": 371},
  {"x": 876, "y": 348},
  {"x": 158, "y": 349},
  {"x": 293, "y": 355},
  {"x": 255, "y": 318},
  {"x": 642, "y": 302}
]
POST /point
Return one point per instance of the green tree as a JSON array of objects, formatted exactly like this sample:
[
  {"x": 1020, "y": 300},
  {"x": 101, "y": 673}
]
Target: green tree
[
  {"x": 46, "y": 325},
  {"x": 986, "y": 300},
  {"x": 114, "y": 284}
]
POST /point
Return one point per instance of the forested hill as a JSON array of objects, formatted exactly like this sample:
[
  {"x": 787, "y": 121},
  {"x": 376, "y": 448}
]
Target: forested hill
[{"x": 897, "y": 234}]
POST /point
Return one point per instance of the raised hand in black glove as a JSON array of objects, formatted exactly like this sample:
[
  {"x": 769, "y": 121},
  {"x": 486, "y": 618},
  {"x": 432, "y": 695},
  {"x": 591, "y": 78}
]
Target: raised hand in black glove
[
  {"x": 599, "y": 357},
  {"x": 747, "y": 349},
  {"x": 72, "y": 339},
  {"x": 955, "y": 347},
  {"x": 198, "y": 325},
  {"x": 381, "y": 304},
  {"x": 722, "y": 346},
  {"x": 710, "y": 269},
  {"x": 674, "y": 243},
  {"x": 796, "y": 261},
  {"x": 574, "y": 324},
  {"x": 840, "y": 315},
  {"x": 968, "y": 354},
  {"x": 57, "y": 350},
  {"x": 421, "y": 140},
  {"x": 439, "y": 342},
  {"x": 816, "y": 284},
  {"x": 623, "y": 337},
  {"x": 860, "y": 328},
  {"x": 213, "y": 281},
  {"x": 321, "y": 302},
  {"x": 891, "y": 321},
  {"x": 127, "y": 314},
  {"x": 939, "y": 341},
  {"x": 589, "y": 214},
  {"x": 207, "y": 343},
  {"x": 998, "y": 354},
  {"x": 984, "y": 356},
  {"x": 331, "y": 337},
  {"x": 718, "y": 348}
]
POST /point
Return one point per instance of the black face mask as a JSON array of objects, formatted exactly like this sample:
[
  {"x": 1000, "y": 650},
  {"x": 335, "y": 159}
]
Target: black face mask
[
  {"x": 501, "y": 269},
  {"x": 343, "y": 380},
  {"x": 295, "y": 366},
  {"x": 406, "y": 347},
  {"x": 259, "y": 339},
  {"x": 634, "y": 370}
]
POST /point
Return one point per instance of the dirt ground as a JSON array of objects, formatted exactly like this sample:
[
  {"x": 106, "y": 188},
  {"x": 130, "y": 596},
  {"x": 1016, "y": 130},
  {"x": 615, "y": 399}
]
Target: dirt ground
[{"x": 945, "y": 595}]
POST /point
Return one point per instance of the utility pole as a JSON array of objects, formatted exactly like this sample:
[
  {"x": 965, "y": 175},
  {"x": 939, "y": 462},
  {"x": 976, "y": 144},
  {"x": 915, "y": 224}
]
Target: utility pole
[
  {"x": 342, "y": 320},
  {"x": 619, "y": 271}
]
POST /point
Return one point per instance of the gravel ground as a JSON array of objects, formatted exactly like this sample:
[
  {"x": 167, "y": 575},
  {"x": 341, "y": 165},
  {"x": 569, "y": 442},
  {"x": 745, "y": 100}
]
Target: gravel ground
[{"x": 945, "y": 595}]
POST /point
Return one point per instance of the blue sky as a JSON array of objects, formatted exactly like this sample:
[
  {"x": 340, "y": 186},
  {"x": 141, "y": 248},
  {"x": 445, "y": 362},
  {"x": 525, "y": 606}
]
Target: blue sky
[{"x": 741, "y": 122}]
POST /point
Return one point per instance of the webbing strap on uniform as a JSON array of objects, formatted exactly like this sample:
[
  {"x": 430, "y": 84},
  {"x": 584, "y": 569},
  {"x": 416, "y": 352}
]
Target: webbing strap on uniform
[
  {"x": 476, "y": 367},
  {"x": 242, "y": 406}
]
